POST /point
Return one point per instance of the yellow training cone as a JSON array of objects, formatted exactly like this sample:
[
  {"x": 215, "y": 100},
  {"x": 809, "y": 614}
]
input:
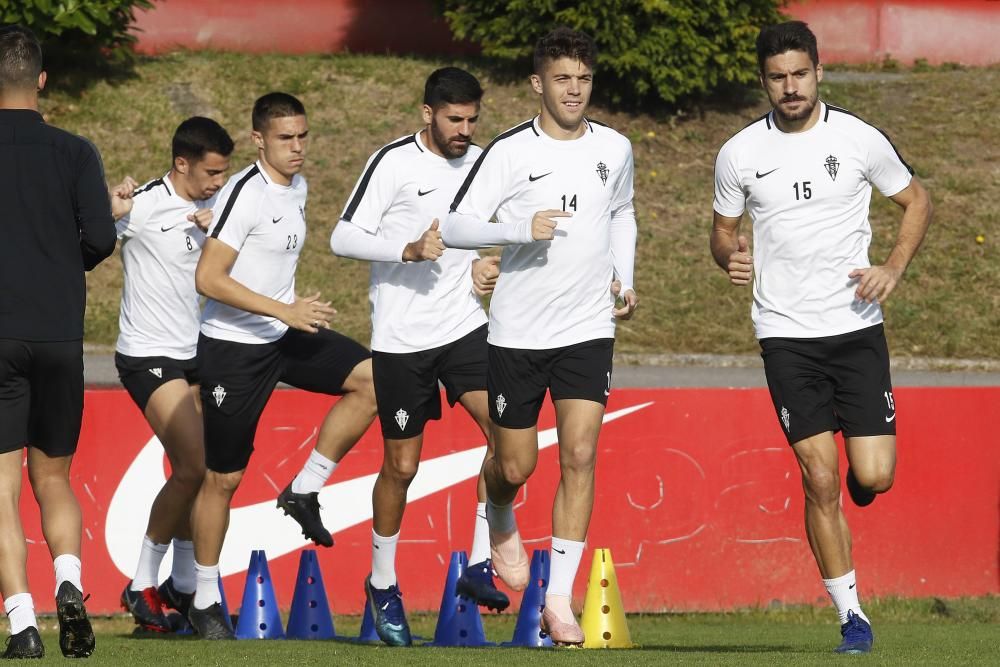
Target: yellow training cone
[{"x": 604, "y": 624}]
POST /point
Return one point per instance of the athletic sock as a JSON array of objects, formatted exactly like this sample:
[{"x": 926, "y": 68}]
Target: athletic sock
[
  {"x": 147, "y": 572},
  {"x": 383, "y": 560},
  {"x": 563, "y": 564},
  {"x": 68, "y": 568},
  {"x": 207, "y": 586},
  {"x": 314, "y": 474},
  {"x": 844, "y": 593},
  {"x": 182, "y": 569},
  {"x": 480, "y": 537},
  {"x": 500, "y": 517},
  {"x": 20, "y": 610}
]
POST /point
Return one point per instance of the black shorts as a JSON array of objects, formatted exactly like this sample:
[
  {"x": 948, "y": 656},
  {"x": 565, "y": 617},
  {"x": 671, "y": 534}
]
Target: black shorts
[
  {"x": 835, "y": 383},
  {"x": 41, "y": 395},
  {"x": 406, "y": 384},
  {"x": 237, "y": 379},
  {"x": 141, "y": 376},
  {"x": 517, "y": 379}
]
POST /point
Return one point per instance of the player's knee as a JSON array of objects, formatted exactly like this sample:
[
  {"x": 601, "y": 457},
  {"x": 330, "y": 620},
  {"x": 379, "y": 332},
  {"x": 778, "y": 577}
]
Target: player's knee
[
  {"x": 513, "y": 472},
  {"x": 579, "y": 459},
  {"x": 402, "y": 469},
  {"x": 188, "y": 476},
  {"x": 878, "y": 481},
  {"x": 822, "y": 485},
  {"x": 222, "y": 483}
]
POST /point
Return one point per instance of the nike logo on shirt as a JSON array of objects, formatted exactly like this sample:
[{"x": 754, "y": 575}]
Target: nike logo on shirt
[
  {"x": 533, "y": 178},
  {"x": 167, "y": 229},
  {"x": 760, "y": 175},
  {"x": 277, "y": 220},
  {"x": 421, "y": 193}
]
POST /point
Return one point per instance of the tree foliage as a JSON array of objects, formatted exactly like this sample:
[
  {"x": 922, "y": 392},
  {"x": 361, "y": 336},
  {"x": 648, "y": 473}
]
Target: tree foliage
[{"x": 648, "y": 50}]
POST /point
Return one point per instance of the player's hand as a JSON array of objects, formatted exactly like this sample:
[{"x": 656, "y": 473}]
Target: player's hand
[
  {"x": 121, "y": 197},
  {"x": 543, "y": 224},
  {"x": 485, "y": 272},
  {"x": 202, "y": 218},
  {"x": 630, "y": 301},
  {"x": 308, "y": 314},
  {"x": 427, "y": 248},
  {"x": 876, "y": 283},
  {"x": 741, "y": 263}
]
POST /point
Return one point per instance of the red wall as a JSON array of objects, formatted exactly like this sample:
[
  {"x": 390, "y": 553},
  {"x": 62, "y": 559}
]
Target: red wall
[
  {"x": 698, "y": 499},
  {"x": 962, "y": 31}
]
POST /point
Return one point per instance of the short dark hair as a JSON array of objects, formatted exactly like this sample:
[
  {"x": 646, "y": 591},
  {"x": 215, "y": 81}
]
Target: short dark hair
[
  {"x": 789, "y": 36},
  {"x": 275, "y": 105},
  {"x": 20, "y": 57},
  {"x": 451, "y": 85},
  {"x": 197, "y": 136},
  {"x": 565, "y": 42}
]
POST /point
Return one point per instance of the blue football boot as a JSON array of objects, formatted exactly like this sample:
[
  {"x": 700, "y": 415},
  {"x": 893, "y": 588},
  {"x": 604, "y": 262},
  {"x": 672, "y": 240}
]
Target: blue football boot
[
  {"x": 857, "y": 635},
  {"x": 476, "y": 583},
  {"x": 386, "y": 605}
]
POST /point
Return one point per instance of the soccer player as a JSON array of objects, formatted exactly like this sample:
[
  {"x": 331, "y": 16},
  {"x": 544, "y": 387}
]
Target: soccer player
[
  {"x": 427, "y": 321},
  {"x": 57, "y": 224},
  {"x": 804, "y": 172},
  {"x": 256, "y": 332},
  {"x": 161, "y": 226},
  {"x": 560, "y": 188}
]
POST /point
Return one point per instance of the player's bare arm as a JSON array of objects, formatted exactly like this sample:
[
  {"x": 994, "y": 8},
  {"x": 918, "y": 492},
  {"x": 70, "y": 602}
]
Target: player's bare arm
[
  {"x": 485, "y": 272},
  {"x": 543, "y": 223},
  {"x": 731, "y": 249},
  {"x": 429, "y": 247},
  {"x": 878, "y": 282},
  {"x": 212, "y": 280},
  {"x": 121, "y": 197}
]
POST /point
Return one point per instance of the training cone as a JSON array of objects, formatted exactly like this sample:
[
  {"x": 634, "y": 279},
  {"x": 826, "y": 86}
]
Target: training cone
[
  {"x": 528, "y": 631},
  {"x": 310, "y": 616},
  {"x": 367, "y": 633},
  {"x": 259, "y": 618},
  {"x": 604, "y": 624},
  {"x": 459, "y": 623},
  {"x": 225, "y": 605}
]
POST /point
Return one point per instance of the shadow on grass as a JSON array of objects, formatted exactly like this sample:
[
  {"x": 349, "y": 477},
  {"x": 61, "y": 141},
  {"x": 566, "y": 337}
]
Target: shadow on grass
[
  {"x": 718, "y": 648},
  {"x": 72, "y": 74}
]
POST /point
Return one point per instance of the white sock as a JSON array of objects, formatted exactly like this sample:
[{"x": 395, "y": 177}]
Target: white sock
[
  {"x": 844, "y": 593},
  {"x": 480, "y": 537},
  {"x": 384, "y": 560},
  {"x": 565, "y": 561},
  {"x": 182, "y": 569},
  {"x": 147, "y": 572},
  {"x": 500, "y": 517},
  {"x": 20, "y": 610},
  {"x": 68, "y": 568},
  {"x": 207, "y": 589},
  {"x": 314, "y": 474}
]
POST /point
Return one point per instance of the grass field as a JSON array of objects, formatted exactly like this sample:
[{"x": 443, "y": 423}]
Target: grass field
[
  {"x": 946, "y": 306},
  {"x": 907, "y": 632}
]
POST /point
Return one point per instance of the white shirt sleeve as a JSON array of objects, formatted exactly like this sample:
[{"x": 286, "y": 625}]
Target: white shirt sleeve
[
  {"x": 886, "y": 169},
  {"x": 623, "y": 227},
  {"x": 352, "y": 241},
  {"x": 232, "y": 227},
  {"x": 730, "y": 201},
  {"x": 372, "y": 195}
]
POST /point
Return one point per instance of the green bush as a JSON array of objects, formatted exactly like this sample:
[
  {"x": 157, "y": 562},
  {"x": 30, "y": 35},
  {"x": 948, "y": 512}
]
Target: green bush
[
  {"x": 649, "y": 51},
  {"x": 85, "y": 33}
]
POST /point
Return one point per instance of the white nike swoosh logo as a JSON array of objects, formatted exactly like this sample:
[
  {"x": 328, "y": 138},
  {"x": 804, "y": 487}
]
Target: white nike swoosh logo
[
  {"x": 889, "y": 419},
  {"x": 261, "y": 525}
]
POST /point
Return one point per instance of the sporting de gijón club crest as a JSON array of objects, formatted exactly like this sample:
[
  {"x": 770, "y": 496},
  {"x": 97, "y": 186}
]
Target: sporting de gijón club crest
[
  {"x": 832, "y": 166},
  {"x": 602, "y": 171}
]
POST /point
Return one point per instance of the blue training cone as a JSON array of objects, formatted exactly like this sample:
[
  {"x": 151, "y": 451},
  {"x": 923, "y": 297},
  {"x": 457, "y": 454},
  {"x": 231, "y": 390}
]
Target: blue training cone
[
  {"x": 528, "y": 631},
  {"x": 459, "y": 623},
  {"x": 367, "y": 633},
  {"x": 259, "y": 617},
  {"x": 310, "y": 615},
  {"x": 225, "y": 605}
]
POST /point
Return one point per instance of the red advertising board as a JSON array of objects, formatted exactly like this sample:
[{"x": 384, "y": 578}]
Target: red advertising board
[{"x": 698, "y": 498}]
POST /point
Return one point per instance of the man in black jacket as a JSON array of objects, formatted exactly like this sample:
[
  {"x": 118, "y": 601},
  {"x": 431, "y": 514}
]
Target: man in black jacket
[{"x": 55, "y": 223}]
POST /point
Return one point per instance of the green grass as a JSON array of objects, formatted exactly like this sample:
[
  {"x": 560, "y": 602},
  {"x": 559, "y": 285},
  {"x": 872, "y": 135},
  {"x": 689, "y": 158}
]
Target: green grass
[
  {"x": 907, "y": 632},
  {"x": 943, "y": 121}
]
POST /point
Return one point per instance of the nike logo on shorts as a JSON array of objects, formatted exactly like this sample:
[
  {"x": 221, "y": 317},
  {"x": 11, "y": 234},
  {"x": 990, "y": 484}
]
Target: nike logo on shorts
[{"x": 890, "y": 418}]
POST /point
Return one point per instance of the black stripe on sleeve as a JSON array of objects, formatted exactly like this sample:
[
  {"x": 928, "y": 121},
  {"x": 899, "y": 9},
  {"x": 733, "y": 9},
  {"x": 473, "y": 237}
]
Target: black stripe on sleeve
[
  {"x": 482, "y": 156},
  {"x": 765, "y": 118},
  {"x": 895, "y": 150},
  {"x": 352, "y": 206},
  {"x": 232, "y": 199},
  {"x": 152, "y": 184}
]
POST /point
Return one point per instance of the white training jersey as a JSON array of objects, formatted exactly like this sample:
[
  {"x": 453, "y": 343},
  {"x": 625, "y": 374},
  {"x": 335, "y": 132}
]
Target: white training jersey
[
  {"x": 266, "y": 223},
  {"x": 808, "y": 195},
  {"x": 415, "y": 305},
  {"x": 160, "y": 249},
  {"x": 555, "y": 293}
]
